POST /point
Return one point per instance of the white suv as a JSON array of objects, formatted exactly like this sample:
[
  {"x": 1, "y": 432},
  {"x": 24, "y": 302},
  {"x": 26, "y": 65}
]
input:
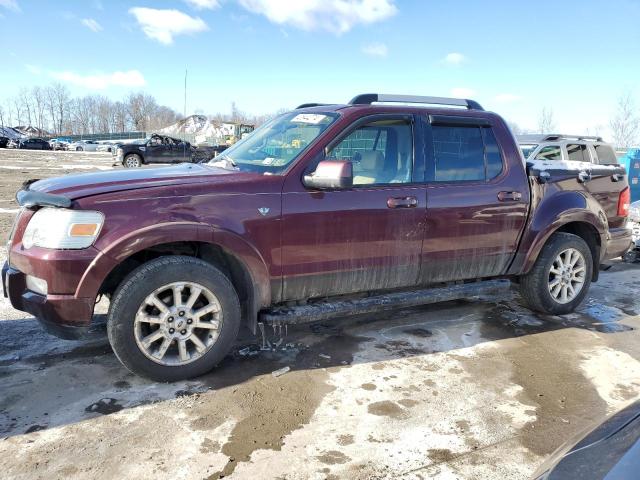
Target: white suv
[{"x": 566, "y": 147}]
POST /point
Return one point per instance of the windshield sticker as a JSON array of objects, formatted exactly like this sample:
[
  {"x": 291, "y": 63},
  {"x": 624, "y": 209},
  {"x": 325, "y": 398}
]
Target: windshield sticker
[
  {"x": 268, "y": 161},
  {"x": 312, "y": 118}
]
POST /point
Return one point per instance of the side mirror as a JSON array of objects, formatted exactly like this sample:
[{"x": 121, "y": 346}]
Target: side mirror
[{"x": 330, "y": 174}]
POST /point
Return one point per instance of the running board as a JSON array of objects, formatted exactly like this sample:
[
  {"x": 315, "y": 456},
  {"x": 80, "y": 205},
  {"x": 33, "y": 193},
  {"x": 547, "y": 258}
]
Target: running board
[{"x": 326, "y": 309}]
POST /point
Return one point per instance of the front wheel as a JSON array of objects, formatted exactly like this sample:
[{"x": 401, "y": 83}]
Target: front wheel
[
  {"x": 79, "y": 149},
  {"x": 132, "y": 161},
  {"x": 560, "y": 278},
  {"x": 173, "y": 318}
]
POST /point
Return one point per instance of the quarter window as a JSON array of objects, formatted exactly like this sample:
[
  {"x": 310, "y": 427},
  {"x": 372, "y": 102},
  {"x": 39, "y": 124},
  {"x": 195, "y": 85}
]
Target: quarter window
[
  {"x": 465, "y": 154},
  {"x": 578, "y": 153},
  {"x": 550, "y": 152},
  {"x": 605, "y": 154},
  {"x": 381, "y": 152}
]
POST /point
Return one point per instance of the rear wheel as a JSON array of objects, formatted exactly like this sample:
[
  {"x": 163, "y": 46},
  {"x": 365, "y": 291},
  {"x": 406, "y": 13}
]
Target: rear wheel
[
  {"x": 79, "y": 149},
  {"x": 173, "y": 318},
  {"x": 132, "y": 161},
  {"x": 560, "y": 278}
]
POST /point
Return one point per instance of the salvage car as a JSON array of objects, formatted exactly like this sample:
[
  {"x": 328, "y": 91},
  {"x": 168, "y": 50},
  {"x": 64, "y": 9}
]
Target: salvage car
[
  {"x": 633, "y": 255},
  {"x": 388, "y": 201},
  {"x": 106, "y": 147},
  {"x": 155, "y": 149},
  {"x": 84, "y": 146},
  {"x": 580, "y": 148},
  {"x": 608, "y": 450},
  {"x": 34, "y": 144}
]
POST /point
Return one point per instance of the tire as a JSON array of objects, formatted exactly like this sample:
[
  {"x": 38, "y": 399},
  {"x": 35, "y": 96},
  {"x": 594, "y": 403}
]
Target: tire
[
  {"x": 536, "y": 287},
  {"x": 128, "y": 330},
  {"x": 79, "y": 149},
  {"x": 132, "y": 161}
]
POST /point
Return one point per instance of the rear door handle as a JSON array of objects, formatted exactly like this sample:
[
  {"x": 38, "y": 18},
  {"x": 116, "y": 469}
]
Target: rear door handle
[
  {"x": 402, "y": 202},
  {"x": 509, "y": 196}
]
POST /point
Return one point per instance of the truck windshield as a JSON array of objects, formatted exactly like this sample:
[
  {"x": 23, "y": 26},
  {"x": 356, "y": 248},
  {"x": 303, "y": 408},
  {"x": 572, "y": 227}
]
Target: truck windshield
[{"x": 273, "y": 146}]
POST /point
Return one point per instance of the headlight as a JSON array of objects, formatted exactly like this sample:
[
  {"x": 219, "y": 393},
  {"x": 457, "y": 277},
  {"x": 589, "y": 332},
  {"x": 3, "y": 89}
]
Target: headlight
[
  {"x": 119, "y": 151},
  {"x": 62, "y": 228}
]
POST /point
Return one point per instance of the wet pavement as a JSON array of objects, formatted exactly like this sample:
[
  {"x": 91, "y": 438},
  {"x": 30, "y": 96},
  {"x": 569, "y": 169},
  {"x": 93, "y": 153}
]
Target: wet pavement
[{"x": 473, "y": 389}]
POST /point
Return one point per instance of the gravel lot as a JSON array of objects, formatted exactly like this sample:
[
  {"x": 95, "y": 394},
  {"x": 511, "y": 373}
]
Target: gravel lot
[{"x": 476, "y": 389}]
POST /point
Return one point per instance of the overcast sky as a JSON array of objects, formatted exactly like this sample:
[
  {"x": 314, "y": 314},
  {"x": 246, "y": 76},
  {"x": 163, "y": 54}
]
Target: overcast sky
[{"x": 513, "y": 57}]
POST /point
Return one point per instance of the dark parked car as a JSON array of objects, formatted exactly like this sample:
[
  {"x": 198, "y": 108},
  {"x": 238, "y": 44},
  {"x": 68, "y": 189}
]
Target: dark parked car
[
  {"x": 323, "y": 211},
  {"x": 155, "y": 149},
  {"x": 609, "y": 450},
  {"x": 4, "y": 141},
  {"x": 34, "y": 144}
]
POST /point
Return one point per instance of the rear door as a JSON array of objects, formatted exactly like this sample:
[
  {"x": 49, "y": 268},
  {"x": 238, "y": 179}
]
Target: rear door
[
  {"x": 477, "y": 199},
  {"x": 364, "y": 238}
]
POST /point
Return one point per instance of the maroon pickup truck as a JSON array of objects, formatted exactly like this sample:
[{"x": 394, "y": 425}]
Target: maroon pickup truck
[{"x": 386, "y": 202}]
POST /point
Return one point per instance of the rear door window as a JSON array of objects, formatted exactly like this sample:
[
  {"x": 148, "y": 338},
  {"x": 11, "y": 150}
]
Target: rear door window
[
  {"x": 550, "y": 152},
  {"x": 464, "y": 153},
  {"x": 605, "y": 154},
  {"x": 578, "y": 153}
]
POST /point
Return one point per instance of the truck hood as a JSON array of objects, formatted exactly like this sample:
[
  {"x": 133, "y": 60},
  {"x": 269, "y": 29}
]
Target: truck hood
[{"x": 95, "y": 183}]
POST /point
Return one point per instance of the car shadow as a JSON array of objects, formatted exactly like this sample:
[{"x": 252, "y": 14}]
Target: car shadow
[{"x": 49, "y": 382}]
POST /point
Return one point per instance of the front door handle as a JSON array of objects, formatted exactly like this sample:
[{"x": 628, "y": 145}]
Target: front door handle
[
  {"x": 402, "y": 202},
  {"x": 509, "y": 196}
]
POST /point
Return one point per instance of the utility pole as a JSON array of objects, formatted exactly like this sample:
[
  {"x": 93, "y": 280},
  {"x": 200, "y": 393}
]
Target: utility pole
[{"x": 185, "y": 93}]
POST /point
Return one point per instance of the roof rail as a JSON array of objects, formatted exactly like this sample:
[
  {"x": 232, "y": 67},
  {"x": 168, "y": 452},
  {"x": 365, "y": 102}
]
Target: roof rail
[
  {"x": 308, "y": 105},
  {"x": 558, "y": 136},
  {"x": 369, "y": 98}
]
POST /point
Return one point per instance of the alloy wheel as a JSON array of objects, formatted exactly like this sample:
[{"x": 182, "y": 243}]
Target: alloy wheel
[
  {"x": 567, "y": 275},
  {"x": 178, "y": 323}
]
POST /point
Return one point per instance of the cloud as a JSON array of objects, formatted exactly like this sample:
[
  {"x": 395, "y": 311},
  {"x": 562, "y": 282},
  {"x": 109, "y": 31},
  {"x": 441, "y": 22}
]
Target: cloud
[
  {"x": 375, "y": 50},
  {"x": 101, "y": 81},
  {"x": 10, "y": 5},
  {"x": 91, "y": 24},
  {"x": 507, "y": 98},
  {"x": 335, "y": 16},
  {"x": 33, "y": 69},
  {"x": 204, "y": 4},
  {"x": 163, "y": 25},
  {"x": 455, "y": 59},
  {"x": 462, "y": 92}
]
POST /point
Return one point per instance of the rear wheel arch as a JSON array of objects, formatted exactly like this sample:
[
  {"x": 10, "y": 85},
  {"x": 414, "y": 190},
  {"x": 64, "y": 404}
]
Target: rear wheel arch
[{"x": 591, "y": 236}]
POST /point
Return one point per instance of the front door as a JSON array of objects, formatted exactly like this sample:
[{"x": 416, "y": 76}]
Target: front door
[
  {"x": 155, "y": 151},
  {"x": 476, "y": 202},
  {"x": 365, "y": 238}
]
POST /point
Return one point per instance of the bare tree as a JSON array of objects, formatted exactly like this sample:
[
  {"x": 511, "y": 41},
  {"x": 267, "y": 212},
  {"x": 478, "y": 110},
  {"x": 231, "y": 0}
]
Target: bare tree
[
  {"x": 546, "y": 123},
  {"x": 39, "y": 107},
  {"x": 625, "y": 123},
  {"x": 17, "y": 106}
]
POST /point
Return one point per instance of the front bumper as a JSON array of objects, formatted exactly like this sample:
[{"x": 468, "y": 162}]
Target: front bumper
[
  {"x": 64, "y": 316},
  {"x": 619, "y": 243}
]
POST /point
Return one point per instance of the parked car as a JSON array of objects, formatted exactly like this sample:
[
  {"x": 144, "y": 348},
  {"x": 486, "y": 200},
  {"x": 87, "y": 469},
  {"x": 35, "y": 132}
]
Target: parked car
[
  {"x": 633, "y": 255},
  {"x": 155, "y": 149},
  {"x": 34, "y": 144},
  {"x": 3, "y": 142},
  {"x": 84, "y": 146},
  {"x": 608, "y": 450},
  {"x": 58, "y": 145},
  {"x": 567, "y": 147},
  {"x": 106, "y": 147},
  {"x": 323, "y": 211}
]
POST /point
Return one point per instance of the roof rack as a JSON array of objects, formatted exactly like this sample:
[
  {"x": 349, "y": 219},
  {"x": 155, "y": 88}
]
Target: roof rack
[
  {"x": 308, "y": 105},
  {"x": 558, "y": 136},
  {"x": 369, "y": 98}
]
